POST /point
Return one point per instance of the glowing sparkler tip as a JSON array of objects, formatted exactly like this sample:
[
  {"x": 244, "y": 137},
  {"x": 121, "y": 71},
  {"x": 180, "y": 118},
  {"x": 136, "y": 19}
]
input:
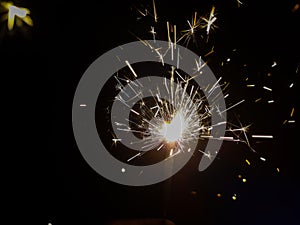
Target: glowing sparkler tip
[{"x": 172, "y": 131}]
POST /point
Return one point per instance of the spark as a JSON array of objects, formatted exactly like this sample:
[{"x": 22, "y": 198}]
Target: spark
[
  {"x": 291, "y": 85},
  {"x": 257, "y": 100},
  {"x": 153, "y": 32},
  {"x": 267, "y": 88},
  {"x": 278, "y": 170},
  {"x": 115, "y": 140},
  {"x": 123, "y": 170},
  {"x": 178, "y": 58},
  {"x": 189, "y": 33},
  {"x": 262, "y": 159},
  {"x": 133, "y": 157},
  {"x": 248, "y": 162},
  {"x": 168, "y": 29},
  {"x": 250, "y": 85},
  {"x": 244, "y": 180},
  {"x": 274, "y": 64},
  {"x": 130, "y": 67},
  {"x": 134, "y": 112},
  {"x": 219, "y": 195},
  {"x": 15, "y": 13},
  {"x": 262, "y": 136},
  {"x": 233, "y": 106},
  {"x": 209, "y": 22},
  {"x": 291, "y": 121},
  {"x": 154, "y": 11},
  {"x": 234, "y": 197},
  {"x": 239, "y": 3},
  {"x": 292, "y": 112},
  {"x": 82, "y": 105},
  {"x": 270, "y": 101}
]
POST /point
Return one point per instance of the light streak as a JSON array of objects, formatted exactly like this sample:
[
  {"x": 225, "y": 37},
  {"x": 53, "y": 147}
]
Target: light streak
[
  {"x": 267, "y": 88},
  {"x": 130, "y": 67},
  {"x": 233, "y": 106},
  {"x": 292, "y": 112},
  {"x": 209, "y": 22},
  {"x": 134, "y": 157},
  {"x": 262, "y": 136},
  {"x": 248, "y": 162},
  {"x": 154, "y": 11},
  {"x": 259, "y": 99}
]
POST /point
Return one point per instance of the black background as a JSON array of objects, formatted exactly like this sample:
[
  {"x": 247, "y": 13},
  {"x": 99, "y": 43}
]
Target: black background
[{"x": 45, "y": 63}]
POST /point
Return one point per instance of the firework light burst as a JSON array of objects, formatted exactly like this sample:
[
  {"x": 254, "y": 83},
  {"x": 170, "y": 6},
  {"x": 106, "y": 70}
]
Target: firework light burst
[{"x": 178, "y": 112}]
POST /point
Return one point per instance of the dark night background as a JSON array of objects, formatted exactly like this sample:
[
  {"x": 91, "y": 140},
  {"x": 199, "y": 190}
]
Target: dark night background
[{"x": 48, "y": 60}]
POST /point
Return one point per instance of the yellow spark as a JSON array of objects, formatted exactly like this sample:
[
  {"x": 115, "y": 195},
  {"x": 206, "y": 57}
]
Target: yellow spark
[
  {"x": 292, "y": 112},
  {"x": 244, "y": 180},
  {"x": 240, "y": 176},
  {"x": 154, "y": 11},
  {"x": 234, "y": 197},
  {"x": 211, "y": 51},
  {"x": 278, "y": 170},
  {"x": 14, "y": 12},
  {"x": 257, "y": 100},
  {"x": 239, "y": 3},
  {"x": 168, "y": 29},
  {"x": 210, "y": 21},
  {"x": 219, "y": 195},
  {"x": 248, "y": 162},
  {"x": 193, "y": 25}
]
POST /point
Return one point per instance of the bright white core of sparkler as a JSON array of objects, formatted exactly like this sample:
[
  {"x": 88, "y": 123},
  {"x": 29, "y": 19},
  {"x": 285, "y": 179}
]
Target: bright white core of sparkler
[{"x": 173, "y": 131}]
